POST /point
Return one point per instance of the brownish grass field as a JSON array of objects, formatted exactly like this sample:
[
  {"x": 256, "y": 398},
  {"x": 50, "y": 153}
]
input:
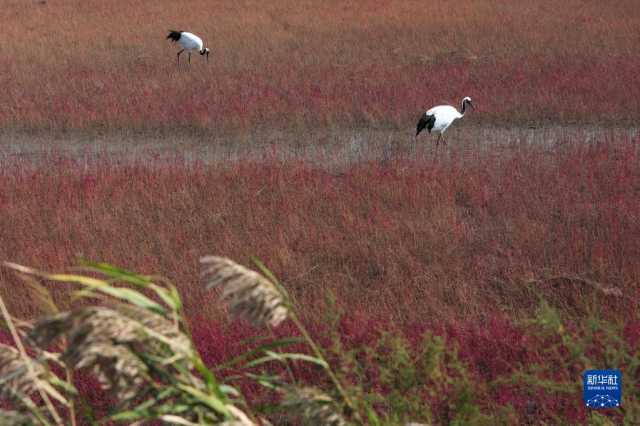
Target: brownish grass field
[
  {"x": 300, "y": 64},
  {"x": 294, "y": 145}
]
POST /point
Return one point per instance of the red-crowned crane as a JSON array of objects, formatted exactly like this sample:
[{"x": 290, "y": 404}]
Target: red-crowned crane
[
  {"x": 439, "y": 118},
  {"x": 188, "y": 41}
]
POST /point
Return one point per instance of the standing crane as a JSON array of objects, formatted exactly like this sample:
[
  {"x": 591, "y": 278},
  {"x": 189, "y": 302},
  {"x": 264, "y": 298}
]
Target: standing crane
[
  {"x": 189, "y": 42},
  {"x": 439, "y": 118}
]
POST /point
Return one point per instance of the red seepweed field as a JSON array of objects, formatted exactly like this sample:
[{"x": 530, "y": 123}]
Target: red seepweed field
[
  {"x": 469, "y": 284},
  {"x": 300, "y": 64},
  {"x": 440, "y": 238},
  {"x": 463, "y": 247}
]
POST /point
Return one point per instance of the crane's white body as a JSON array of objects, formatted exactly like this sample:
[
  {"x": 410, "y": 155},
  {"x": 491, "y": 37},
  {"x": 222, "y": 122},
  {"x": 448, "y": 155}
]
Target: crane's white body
[
  {"x": 439, "y": 118},
  {"x": 190, "y": 41},
  {"x": 445, "y": 116}
]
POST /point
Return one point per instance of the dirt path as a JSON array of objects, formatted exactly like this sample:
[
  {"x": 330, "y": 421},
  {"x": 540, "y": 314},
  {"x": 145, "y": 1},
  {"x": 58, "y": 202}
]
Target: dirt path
[{"x": 329, "y": 148}]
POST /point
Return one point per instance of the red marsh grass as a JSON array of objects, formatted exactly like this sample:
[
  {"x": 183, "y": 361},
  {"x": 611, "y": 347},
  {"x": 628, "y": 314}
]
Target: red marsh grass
[
  {"x": 462, "y": 245},
  {"x": 410, "y": 240},
  {"x": 306, "y": 65}
]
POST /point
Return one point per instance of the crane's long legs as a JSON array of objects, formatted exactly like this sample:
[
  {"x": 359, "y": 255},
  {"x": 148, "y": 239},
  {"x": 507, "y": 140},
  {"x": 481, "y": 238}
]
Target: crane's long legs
[
  {"x": 438, "y": 140},
  {"x": 189, "y": 57},
  {"x": 179, "y": 56}
]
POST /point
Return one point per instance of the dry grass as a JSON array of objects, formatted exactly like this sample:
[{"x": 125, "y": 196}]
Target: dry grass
[
  {"x": 136, "y": 349},
  {"x": 249, "y": 34},
  {"x": 17, "y": 381},
  {"x": 107, "y": 341},
  {"x": 305, "y": 65},
  {"x": 249, "y": 294}
]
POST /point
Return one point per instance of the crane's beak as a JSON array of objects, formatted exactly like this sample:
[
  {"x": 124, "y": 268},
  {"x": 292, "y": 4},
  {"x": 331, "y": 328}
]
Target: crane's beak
[{"x": 207, "y": 56}]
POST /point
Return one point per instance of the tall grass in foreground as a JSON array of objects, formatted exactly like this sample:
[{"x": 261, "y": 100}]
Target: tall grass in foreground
[
  {"x": 135, "y": 339},
  {"x": 138, "y": 347}
]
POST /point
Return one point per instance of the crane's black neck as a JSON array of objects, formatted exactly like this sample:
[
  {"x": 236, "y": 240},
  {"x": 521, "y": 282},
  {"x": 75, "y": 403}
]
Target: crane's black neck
[
  {"x": 464, "y": 108},
  {"x": 203, "y": 51}
]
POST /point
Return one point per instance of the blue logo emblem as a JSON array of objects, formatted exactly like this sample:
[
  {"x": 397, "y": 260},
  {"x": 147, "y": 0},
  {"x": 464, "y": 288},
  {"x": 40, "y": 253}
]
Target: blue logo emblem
[{"x": 602, "y": 388}]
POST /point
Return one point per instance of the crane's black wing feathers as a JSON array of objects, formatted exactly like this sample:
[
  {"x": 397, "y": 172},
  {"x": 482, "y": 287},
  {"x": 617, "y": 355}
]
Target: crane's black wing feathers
[
  {"x": 426, "y": 121},
  {"x": 174, "y": 35}
]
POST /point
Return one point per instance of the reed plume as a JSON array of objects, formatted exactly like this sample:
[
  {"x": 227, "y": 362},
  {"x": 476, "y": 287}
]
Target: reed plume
[
  {"x": 249, "y": 295},
  {"x": 98, "y": 338},
  {"x": 110, "y": 341},
  {"x": 15, "y": 380}
]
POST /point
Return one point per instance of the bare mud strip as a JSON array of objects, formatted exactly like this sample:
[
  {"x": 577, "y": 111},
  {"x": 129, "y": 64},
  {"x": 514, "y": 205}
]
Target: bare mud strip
[{"x": 326, "y": 148}]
